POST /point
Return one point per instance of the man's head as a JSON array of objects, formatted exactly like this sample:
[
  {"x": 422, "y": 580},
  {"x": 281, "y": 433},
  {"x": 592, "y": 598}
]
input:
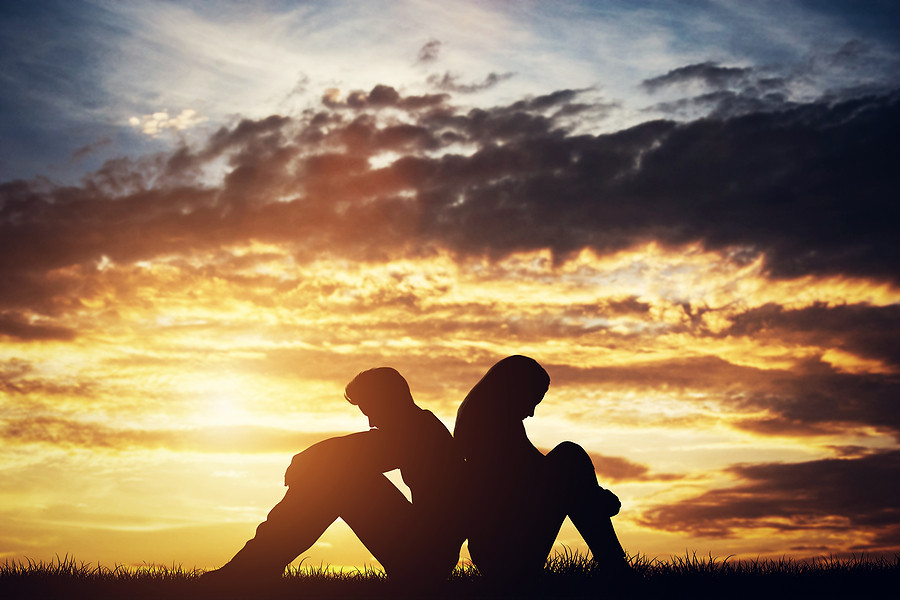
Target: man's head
[{"x": 382, "y": 394}]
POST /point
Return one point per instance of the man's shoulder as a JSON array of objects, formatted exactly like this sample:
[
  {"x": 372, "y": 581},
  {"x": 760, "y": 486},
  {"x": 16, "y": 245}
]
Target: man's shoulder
[{"x": 432, "y": 421}]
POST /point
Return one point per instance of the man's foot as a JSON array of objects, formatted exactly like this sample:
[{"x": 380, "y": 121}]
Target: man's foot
[{"x": 235, "y": 583}]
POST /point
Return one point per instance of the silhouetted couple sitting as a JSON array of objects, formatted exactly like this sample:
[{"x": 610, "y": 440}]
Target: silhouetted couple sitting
[{"x": 488, "y": 483}]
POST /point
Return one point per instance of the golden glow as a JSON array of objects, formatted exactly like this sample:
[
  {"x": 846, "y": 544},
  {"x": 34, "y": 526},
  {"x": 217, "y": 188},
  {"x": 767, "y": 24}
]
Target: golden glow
[
  {"x": 173, "y": 356},
  {"x": 850, "y": 363}
]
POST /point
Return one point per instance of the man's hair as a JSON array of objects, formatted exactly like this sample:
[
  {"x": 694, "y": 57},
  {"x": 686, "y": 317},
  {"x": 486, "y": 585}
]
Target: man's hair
[{"x": 380, "y": 385}]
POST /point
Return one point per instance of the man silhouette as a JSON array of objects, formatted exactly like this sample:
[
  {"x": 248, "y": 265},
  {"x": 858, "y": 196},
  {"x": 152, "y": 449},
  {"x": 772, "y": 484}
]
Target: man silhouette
[{"x": 416, "y": 542}]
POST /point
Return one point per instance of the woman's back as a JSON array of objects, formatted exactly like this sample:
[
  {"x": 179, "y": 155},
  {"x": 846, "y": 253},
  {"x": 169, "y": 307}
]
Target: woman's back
[
  {"x": 489, "y": 429},
  {"x": 517, "y": 498}
]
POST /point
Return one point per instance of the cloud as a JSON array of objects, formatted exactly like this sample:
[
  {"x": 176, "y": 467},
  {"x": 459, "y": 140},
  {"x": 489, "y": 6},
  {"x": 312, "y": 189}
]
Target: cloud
[
  {"x": 83, "y": 151},
  {"x": 155, "y": 123},
  {"x": 381, "y": 96},
  {"x": 853, "y": 71},
  {"x": 68, "y": 433},
  {"x": 450, "y": 83},
  {"x": 18, "y": 378},
  {"x": 865, "y": 330},
  {"x": 851, "y": 496},
  {"x": 675, "y": 372},
  {"x": 722, "y": 92},
  {"x": 710, "y": 74},
  {"x": 16, "y": 326},
  {"x": 726, "y": 104},
  {"x": 617, "y": 468},
  {"x": 811, "y": 398},
  {"x": 823, "y": 400},
  {"x": 265, "y": 263},
  {"x": 430, "y": 51},
  {"x": 808, "y": 189}
]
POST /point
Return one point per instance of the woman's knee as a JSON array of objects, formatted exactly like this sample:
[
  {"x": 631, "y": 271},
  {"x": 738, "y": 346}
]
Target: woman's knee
[{"x": 571, "y": 457}]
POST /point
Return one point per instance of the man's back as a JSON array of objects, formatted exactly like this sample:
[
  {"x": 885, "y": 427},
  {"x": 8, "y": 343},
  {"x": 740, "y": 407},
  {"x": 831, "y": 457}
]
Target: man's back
[{"x": 431, "y": 465}]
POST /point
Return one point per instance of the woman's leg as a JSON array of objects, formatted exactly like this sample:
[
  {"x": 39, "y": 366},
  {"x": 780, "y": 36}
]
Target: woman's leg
[
  {"x": 515, "y": 516},
  {"x": 585, "y": 502},
  {"x": 515, "y": 520}
]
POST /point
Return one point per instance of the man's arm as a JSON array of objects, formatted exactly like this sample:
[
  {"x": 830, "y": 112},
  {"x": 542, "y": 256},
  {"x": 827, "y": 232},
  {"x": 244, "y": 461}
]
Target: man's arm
[{"x": 366, "y": 452}]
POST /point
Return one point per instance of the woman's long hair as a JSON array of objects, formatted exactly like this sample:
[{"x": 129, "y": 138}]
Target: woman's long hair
[{"x": 500, "y": 400}]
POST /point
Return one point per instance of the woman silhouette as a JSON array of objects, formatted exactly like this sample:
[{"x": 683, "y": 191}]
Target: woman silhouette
[{"x": 517, "y": 496}]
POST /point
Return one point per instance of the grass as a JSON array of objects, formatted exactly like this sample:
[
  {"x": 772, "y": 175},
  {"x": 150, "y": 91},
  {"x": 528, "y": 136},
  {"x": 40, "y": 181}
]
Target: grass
[{"x": 566, "y": 575}]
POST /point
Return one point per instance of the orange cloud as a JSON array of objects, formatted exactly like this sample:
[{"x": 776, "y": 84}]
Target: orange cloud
[{"x": 225, "y": 439}]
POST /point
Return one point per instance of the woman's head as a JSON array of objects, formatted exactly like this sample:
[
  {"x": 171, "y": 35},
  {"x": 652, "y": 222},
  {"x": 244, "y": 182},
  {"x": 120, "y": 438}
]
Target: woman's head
[{"x": 512, "y": 387}]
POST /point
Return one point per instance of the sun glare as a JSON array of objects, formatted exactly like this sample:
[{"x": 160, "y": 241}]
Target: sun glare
[
  {"x": 226, "y": 410},
  {"x": 222, "y": 400}
]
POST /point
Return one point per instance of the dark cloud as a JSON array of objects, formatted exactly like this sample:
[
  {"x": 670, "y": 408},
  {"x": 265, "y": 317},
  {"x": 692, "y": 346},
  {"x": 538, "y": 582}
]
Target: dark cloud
[
  {"x": 698, "y": 372},
  {"x": 382, "y": 96},
  {"x": 810, "y": 188},
  {"x": 850, "y": 52},
  {"x": 83, "y": 151},
  {"x": 450, "y": 83},
  {"x": 726, "y": 104},
  {"x": 812, "y": 398},
  {"x": 778, "y": 183},
  {"x": 541, "y": 103},
  {"x": 617, "y": 468},
  {"x": 628, "y": 306},
  {"x": 820, "y": 400},
  {"x": 238, "y": 439},
  {"x": 852, "y": 496},
  {"x": 727, "y": 92},
  {"x": 709, "y": 74},
  {"x": 18, "y": 327},
  {"x": 854, "y": 60},
  {"x": 430, "y": 51},
  {"x": 861, "y": 329},
  {"x": 849, "y": 451}
]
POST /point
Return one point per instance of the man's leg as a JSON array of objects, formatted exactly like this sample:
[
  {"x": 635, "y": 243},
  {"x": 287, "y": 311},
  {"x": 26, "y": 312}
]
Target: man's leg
[
  {"x": 370, "y": 504},
  {"x": 290, "y": 528},
  {"x": 313, "y": 501},
  {"x": 412, "y": 550}
]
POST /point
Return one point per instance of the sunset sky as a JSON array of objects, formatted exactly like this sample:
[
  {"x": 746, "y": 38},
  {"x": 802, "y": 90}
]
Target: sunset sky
[{"x": 213, "y": 215}]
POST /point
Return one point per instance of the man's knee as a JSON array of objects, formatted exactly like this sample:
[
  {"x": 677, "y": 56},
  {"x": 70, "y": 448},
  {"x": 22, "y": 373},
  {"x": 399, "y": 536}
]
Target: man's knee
[{"x": 309, "y": 467}]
